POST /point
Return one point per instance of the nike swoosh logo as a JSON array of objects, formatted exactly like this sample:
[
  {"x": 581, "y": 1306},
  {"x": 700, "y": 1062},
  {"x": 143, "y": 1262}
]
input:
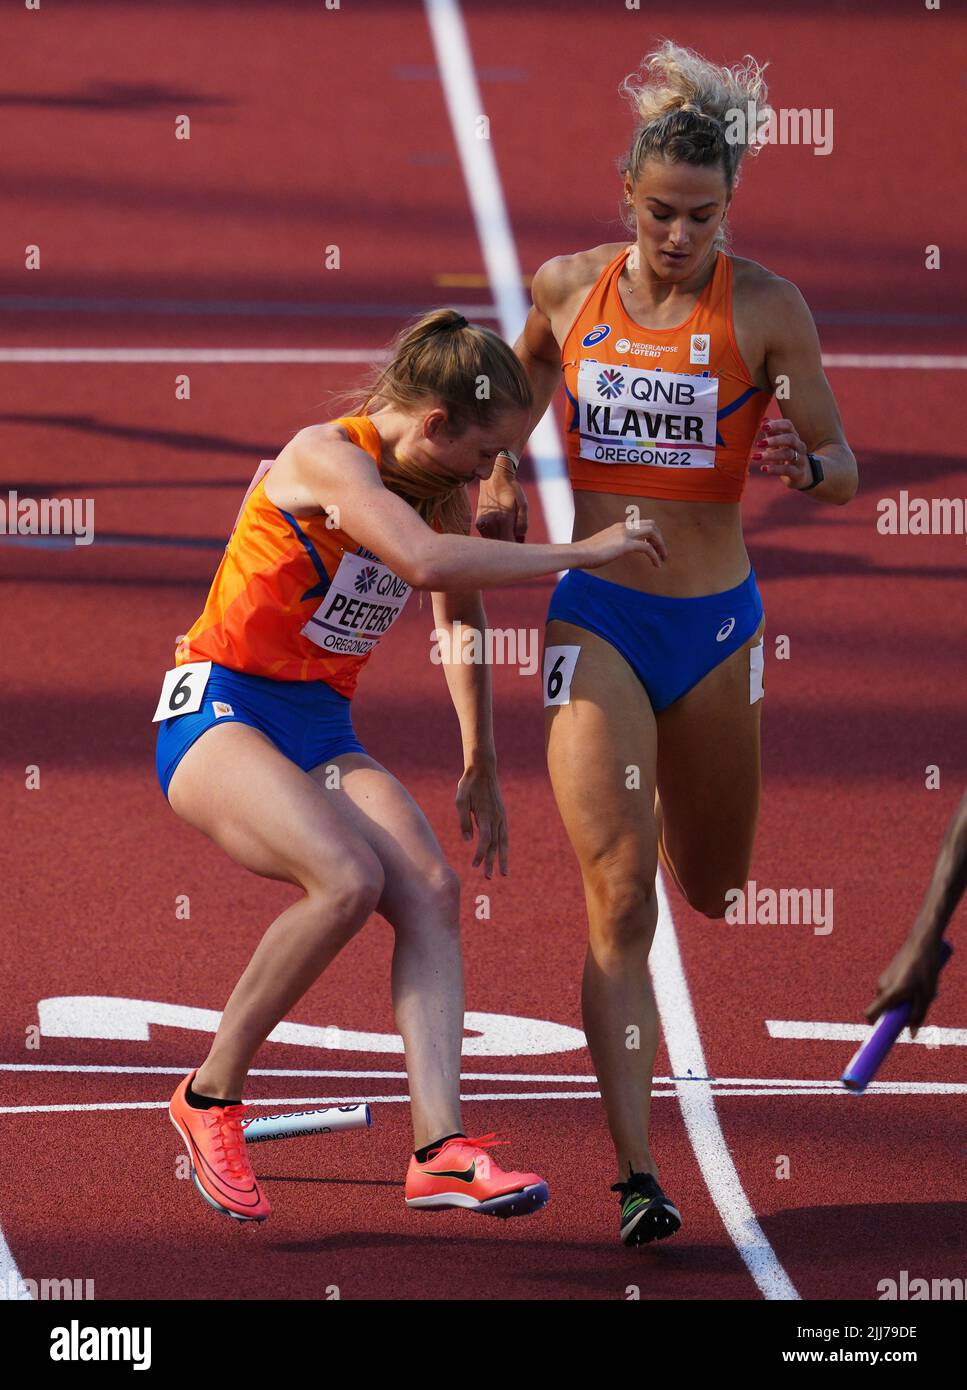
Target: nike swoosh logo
[
  {"x": 467, "y": 1176},
  {"x": 634, "y": 1203}
]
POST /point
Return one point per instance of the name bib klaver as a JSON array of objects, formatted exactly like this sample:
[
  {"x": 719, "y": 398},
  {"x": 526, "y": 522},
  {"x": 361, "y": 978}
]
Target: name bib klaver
[
  {"x": 665, "y": 419},
  {"x": 362, "y": 602}
]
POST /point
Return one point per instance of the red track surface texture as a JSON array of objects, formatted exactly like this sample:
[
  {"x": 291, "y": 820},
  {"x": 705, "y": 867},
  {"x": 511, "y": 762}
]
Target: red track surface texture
[{"x": 312, "y": 128}]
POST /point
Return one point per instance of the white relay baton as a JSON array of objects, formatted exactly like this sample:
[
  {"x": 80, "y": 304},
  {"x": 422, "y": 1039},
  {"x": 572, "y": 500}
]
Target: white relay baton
[{"x": 297, "y": 1122}]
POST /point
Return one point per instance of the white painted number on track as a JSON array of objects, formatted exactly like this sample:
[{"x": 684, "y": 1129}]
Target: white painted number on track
[
  {"x": 104, "y": 1016},
  {"x": 859, "y": 1032}
]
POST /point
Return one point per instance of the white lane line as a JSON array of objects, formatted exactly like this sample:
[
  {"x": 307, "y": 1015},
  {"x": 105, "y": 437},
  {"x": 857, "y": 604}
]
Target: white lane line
[
  {"x": 486, "y": 198},
  {"x": 547, "y": 447},
  {"x": 375, "y": 1098},
  {"x": 564, "y": 1077},
  {"x": 698, "y": 1110},
  {"x": 831, "y": 1088},
  {"x": 930, "y": 1036},
  {"x": 175, "y": 354},
  {"x": 290, "y": 1101},
  {"x": 922, "y": 361},
  {"x": 721, "y": 1085}
]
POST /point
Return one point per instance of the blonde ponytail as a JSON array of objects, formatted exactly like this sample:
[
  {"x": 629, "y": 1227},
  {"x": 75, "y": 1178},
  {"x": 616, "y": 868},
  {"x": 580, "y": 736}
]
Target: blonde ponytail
[{"x": 684, "y": 107}]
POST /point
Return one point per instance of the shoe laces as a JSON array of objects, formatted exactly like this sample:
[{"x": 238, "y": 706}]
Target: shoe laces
[
  {"x": 635, "y": 1182},
  {"x": 230, "y": 1137},
  {"x": 483, "y": 1141}
]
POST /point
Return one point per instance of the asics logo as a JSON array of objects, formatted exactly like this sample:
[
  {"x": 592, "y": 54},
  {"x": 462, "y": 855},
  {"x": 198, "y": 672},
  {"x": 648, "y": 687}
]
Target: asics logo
[
  {"x": 597, "y": 335},
  {"x": 725, "y": 630}
]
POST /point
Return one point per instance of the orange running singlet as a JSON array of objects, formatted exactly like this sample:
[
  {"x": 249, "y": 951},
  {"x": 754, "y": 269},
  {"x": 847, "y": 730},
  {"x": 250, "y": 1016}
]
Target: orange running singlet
[
  {"x": 295, "y": 599},
  {"x": 659, "y": 412}
]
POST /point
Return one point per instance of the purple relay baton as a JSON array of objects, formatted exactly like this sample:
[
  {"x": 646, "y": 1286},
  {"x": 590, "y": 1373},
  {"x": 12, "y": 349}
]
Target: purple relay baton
[{"x": 865, "y": 1062}]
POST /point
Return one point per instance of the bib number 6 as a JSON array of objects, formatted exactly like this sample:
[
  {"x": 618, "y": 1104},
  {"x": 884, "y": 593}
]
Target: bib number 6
[
  {"x": 559, "y": 664},
  {"x": 183, "y": 690}
]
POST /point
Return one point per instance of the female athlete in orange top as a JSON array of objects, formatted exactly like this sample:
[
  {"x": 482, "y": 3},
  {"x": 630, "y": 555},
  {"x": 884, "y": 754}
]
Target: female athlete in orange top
[
  {"x": 671, "y": 349},
  {"x": 256, "y": 746}
]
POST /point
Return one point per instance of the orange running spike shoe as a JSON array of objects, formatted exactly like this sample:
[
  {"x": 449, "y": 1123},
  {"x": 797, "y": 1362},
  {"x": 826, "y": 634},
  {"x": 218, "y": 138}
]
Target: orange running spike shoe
[
  {"x": 460, "y": 1174},
  {"x": 219, "y": 1164}
]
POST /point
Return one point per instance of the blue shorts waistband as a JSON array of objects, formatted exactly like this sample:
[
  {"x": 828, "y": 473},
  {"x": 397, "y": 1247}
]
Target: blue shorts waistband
[{"x": 643, "y": 597}]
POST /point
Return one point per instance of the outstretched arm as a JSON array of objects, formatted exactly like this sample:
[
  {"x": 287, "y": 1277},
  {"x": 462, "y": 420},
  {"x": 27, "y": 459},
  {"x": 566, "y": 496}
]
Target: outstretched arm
[
  {"x": 912, "y": 974},
  {"x": 342, "y": 479}
]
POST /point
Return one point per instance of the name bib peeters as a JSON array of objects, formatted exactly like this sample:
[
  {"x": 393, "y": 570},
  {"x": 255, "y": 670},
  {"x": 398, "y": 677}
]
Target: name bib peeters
[
  {"x": 362, "y": 602},
  {"x": 664, "y": 419}
]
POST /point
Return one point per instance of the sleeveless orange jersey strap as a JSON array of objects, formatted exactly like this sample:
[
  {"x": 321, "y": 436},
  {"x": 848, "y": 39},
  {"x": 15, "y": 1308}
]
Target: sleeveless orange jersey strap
[
  {"x": 670, "y": 412},
  {"x": 295, "y": 598}
]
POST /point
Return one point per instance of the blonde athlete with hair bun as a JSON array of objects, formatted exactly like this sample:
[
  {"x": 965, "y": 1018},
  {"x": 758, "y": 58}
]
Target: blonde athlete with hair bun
[
  {"x": 258, "y": 750},
  {"x": 670, "y": 349}
]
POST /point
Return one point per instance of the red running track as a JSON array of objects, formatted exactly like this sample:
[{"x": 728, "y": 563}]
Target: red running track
[{"x": 280, "y": 165}]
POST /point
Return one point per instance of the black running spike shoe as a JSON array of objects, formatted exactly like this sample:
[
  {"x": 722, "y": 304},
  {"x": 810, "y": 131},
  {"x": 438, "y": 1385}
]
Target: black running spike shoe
[{"x": 646, "y": 1213}]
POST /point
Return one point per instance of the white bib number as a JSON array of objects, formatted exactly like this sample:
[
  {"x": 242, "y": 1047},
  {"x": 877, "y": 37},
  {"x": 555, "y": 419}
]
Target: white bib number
[
  {"x": 632, "y": 415},
  {"x": 183, "y": 690},
  {"x": 362, "y": 602}
]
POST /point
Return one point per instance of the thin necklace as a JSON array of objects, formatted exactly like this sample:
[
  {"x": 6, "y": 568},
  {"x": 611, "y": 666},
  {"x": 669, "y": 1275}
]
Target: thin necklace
[{"x": 633, "y": 264}]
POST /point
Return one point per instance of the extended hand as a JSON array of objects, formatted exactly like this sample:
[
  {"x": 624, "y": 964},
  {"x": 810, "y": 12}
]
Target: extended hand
[
  {"x": 911, "y": 974},
  {"x": 479, "y": 799}
]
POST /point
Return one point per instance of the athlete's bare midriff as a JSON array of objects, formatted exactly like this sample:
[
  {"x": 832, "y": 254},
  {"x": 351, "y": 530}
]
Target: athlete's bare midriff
[{"x": 706, "y": 552}]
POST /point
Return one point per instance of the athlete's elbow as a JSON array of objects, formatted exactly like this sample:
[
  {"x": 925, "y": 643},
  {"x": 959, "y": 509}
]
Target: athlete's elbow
[
  {"x": 842, "y": 479},
  {"x": 422, "y": 572},
  {"x": 437, "y": 565},
  {"x": 851, "y": 483}
]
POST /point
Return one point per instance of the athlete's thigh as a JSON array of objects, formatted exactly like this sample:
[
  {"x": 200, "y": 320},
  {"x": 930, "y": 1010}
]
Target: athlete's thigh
[
  {"x": 256, "y": 804},
  {"x": 601, "y": 754},
  {"x": 709, "y": 769},
  {"x": 386, "y": 816}
]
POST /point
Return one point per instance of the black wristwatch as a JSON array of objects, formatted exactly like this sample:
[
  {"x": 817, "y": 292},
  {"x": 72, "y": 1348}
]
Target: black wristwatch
[{"x": 816, "y": 468}]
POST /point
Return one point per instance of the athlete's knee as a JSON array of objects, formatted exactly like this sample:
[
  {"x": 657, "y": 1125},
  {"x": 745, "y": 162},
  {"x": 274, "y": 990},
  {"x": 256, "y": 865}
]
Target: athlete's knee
[
  {"x": 706, "y": 882},
  {"x": 443, "y": 885},
  {"x": 350, "y": 893},
  {"x": 621, "y": 893},
  {"x": 710, "y": 904},
  {"x": 712, "y": 896},
  {"x": 432, "y": 898}
]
